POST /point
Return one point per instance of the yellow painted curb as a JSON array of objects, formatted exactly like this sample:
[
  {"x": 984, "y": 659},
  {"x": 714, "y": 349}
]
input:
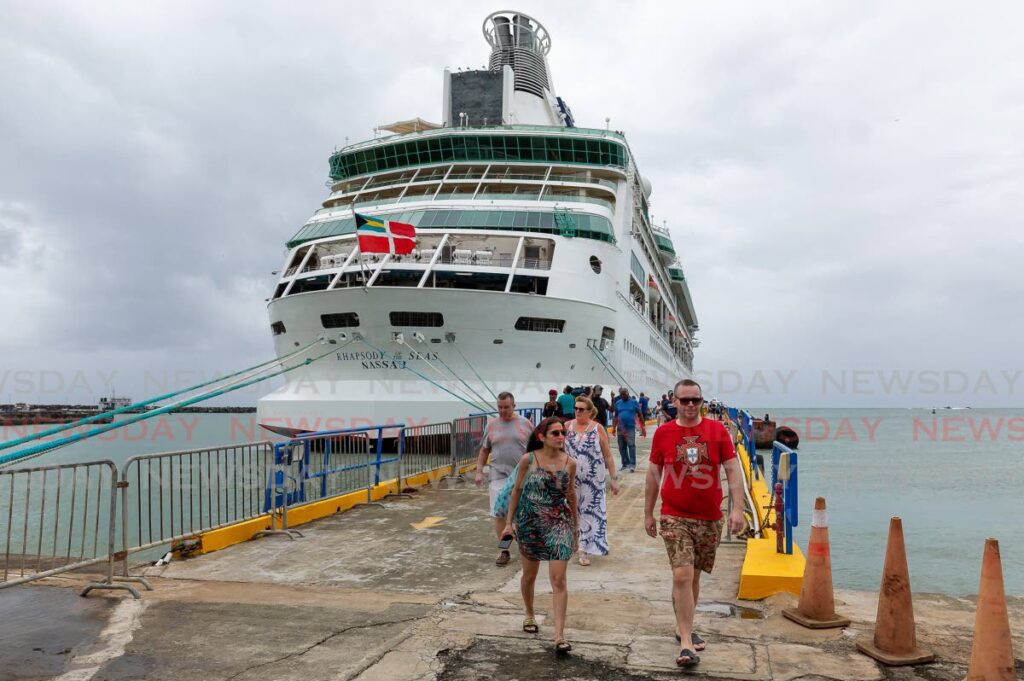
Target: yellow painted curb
[{"x": 764, "y": 571}]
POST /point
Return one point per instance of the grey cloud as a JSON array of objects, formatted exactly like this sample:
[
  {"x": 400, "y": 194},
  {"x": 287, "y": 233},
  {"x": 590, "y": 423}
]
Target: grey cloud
[
  {"x": 842, "y": 182},
  {"x": 10, "y": 245}
]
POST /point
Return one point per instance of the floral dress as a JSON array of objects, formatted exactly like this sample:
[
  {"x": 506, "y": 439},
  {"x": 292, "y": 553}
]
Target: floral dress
[
  {"x": 590, "y": 481},
  {"x": 543, "y": 520}
]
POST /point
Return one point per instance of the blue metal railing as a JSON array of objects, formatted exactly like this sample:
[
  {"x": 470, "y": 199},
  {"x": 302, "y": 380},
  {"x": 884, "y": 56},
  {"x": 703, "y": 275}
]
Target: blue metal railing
[
  {"x": 746, "y": 426},
  {"x": 783, "y": 471},
  {"x": 787, "y": 477},
  {"x": 316, "y": 461}
]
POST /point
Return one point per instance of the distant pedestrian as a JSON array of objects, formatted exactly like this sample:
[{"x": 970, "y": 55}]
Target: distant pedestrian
[
  {"x": 587, "y": 443},
  {"x": 601, "y": 405},
  {"x": 551, "y": 407},
  {"x": 644, "y": 406},
  {"x": 544, "y": 515},
  {"x": 587, "y": 391},
  {"x": 504, "y": 442},
  {"x": 691, "y": 450},
  {"x": 668, "y": 410},
  {"x": 767, "y": 418},
  {"x": 627, "y": 412},
  {"x": 566, "y": 402}
]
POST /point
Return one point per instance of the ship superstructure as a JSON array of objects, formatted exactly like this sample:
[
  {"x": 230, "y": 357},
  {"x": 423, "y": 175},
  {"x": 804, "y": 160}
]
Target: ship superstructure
[{"x": 536, "y": 266}]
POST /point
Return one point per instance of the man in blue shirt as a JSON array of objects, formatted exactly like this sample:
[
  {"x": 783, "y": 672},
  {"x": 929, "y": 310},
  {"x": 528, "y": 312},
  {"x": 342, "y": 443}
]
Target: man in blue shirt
[
  {"x": 668, "y": 410},
  {"x": 627, "y": 409},
  {"x": 644, "y": 404},
  {"x": 567, "y": 402}
]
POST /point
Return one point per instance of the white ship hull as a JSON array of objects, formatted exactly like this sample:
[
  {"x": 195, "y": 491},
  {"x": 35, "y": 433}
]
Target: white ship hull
[{"x": 359, "y": 385}]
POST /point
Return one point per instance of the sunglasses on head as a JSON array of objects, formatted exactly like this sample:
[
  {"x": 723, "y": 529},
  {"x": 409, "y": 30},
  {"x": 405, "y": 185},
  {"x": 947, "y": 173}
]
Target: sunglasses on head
[{"x": 689, "y": 400}]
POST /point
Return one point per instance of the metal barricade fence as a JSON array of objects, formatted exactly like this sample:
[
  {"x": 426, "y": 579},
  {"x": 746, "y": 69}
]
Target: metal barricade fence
[
  {"x": 171, "y": 496},
  {"x": 57, "y": 518},
  {"x": 467, "y": 434},
  {"x": 427, "y": 448}
]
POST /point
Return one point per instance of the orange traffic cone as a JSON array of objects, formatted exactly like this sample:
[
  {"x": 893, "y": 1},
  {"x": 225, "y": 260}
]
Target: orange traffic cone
[
  {"x": 817, "y": 607},
  {"x": 992, "y": 653},
  {"x": 895, "y": 641}
]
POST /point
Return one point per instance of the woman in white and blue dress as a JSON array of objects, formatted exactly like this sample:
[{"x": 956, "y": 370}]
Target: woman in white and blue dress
[{"x": 587, "y": 441}]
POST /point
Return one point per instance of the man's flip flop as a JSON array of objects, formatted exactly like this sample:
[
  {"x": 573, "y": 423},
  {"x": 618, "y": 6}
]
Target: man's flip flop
[
  {"x": 699, "y": 644},
  {"x": 563, "y": 647},
  {"x": 687, "y": 658}
]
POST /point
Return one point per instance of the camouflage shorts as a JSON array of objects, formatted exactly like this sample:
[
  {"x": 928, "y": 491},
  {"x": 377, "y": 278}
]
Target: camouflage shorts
[{"x": 690, "y": 541}]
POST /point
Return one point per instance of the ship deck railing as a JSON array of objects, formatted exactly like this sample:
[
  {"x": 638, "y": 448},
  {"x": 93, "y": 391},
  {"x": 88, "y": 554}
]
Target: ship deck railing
[{"x": 554, "y": 129}]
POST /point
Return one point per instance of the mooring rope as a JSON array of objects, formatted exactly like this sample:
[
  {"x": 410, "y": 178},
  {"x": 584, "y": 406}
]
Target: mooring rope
[
  {"x": 47, "y": 446},
  {"x": 471, "y": 368},
  {"x": 262, "y": 366},
  {"x": 435, "y": 383},
  {"x": 483, "y": 400}
]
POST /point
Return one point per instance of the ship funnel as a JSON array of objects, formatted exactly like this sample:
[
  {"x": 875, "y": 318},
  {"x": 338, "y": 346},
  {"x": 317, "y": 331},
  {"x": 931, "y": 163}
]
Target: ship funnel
[{"x": 519, "y": 41}]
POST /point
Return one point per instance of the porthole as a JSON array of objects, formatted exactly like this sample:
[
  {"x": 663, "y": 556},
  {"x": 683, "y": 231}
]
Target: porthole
[
  {"x": 572, "y": 346},
  {"x": 498, "y": 341},
  {"x": 595, "y": 264},
  {"x": 538, "y": 365}
]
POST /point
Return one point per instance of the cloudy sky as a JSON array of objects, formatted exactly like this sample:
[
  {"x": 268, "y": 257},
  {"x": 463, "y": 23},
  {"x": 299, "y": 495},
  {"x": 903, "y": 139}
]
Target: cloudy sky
[{"x": 843, "y": 181}]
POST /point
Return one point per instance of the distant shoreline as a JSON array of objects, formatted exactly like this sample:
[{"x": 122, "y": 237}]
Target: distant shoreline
[{"x": 22, "y": 414}]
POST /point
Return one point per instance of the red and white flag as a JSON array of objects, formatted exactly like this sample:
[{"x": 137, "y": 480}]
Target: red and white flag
[{"x": 377, "y": 235}]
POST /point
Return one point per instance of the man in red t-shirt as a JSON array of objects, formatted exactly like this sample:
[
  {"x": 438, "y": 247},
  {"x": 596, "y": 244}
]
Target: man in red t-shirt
[{"x": 689, "y": 451}]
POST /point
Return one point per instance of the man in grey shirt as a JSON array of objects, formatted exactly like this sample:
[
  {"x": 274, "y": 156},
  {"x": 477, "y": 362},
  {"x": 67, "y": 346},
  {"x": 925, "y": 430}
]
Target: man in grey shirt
[{"x": 504, "y": 441}]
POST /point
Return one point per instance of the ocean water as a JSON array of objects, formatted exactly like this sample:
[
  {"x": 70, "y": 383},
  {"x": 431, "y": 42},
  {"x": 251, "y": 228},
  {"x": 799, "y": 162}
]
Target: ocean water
[{"x": 954, "y": 477}]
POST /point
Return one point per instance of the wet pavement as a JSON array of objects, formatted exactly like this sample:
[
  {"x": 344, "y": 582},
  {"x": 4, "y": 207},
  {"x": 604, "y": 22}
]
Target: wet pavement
[
  {"x": 377, "y": 593},
  {"x": 41, "y": 626}
]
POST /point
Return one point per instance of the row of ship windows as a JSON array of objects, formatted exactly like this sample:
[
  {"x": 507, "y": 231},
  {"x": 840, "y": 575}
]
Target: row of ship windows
[
  {"x": 470, "y": 281},
  {"x": 348, "y": 320},
  {"x": 635, "y": 350},
  {"x": 661, "y": 350},
  {"x": 577, "y": 224},
  {"x": 502, "y": 148}
]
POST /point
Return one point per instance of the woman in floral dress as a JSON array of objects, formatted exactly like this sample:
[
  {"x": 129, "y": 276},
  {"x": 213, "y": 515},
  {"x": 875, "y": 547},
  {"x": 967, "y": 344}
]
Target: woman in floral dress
[
  {"x": 543, "y": 514},
  {"x": 587, "y": 442}
]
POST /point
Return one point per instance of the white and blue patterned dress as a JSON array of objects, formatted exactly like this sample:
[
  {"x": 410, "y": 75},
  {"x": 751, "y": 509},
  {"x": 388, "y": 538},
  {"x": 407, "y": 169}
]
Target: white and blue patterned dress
[{"x": 591, "y": 475}]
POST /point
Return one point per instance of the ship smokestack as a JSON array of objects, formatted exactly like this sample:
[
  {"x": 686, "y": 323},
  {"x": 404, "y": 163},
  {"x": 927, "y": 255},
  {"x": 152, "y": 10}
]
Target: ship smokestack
[{"x": 519, "y": 41}]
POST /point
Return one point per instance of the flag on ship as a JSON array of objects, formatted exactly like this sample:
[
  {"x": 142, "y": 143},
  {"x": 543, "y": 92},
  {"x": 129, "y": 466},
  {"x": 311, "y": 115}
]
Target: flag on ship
[{"x": 377, "y": 235}]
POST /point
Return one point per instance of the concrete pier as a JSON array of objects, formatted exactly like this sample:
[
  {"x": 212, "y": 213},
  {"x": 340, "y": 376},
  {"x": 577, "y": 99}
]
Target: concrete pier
[{"x": 409, "y": 591}]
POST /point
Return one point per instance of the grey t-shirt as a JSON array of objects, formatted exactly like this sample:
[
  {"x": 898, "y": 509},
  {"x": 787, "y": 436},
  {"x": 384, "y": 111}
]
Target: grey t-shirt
[{"x": 507, "y": 441}]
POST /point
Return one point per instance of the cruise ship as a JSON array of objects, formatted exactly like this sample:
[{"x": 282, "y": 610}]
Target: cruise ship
[{"x": 536, "y": 264}]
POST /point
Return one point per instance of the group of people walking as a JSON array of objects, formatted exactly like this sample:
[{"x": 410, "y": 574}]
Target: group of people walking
[{"x": 547, "y": 493}]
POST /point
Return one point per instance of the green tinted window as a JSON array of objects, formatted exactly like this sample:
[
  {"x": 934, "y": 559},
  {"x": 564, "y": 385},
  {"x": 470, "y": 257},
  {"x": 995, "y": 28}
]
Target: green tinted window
[
  {"x": 586, "y": 226},
  {"x": 536, "y": 149}
]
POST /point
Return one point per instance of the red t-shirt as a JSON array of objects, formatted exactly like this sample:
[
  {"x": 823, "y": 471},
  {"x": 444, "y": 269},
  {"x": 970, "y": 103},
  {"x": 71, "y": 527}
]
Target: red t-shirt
[{"x": 691, "y": 486}]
